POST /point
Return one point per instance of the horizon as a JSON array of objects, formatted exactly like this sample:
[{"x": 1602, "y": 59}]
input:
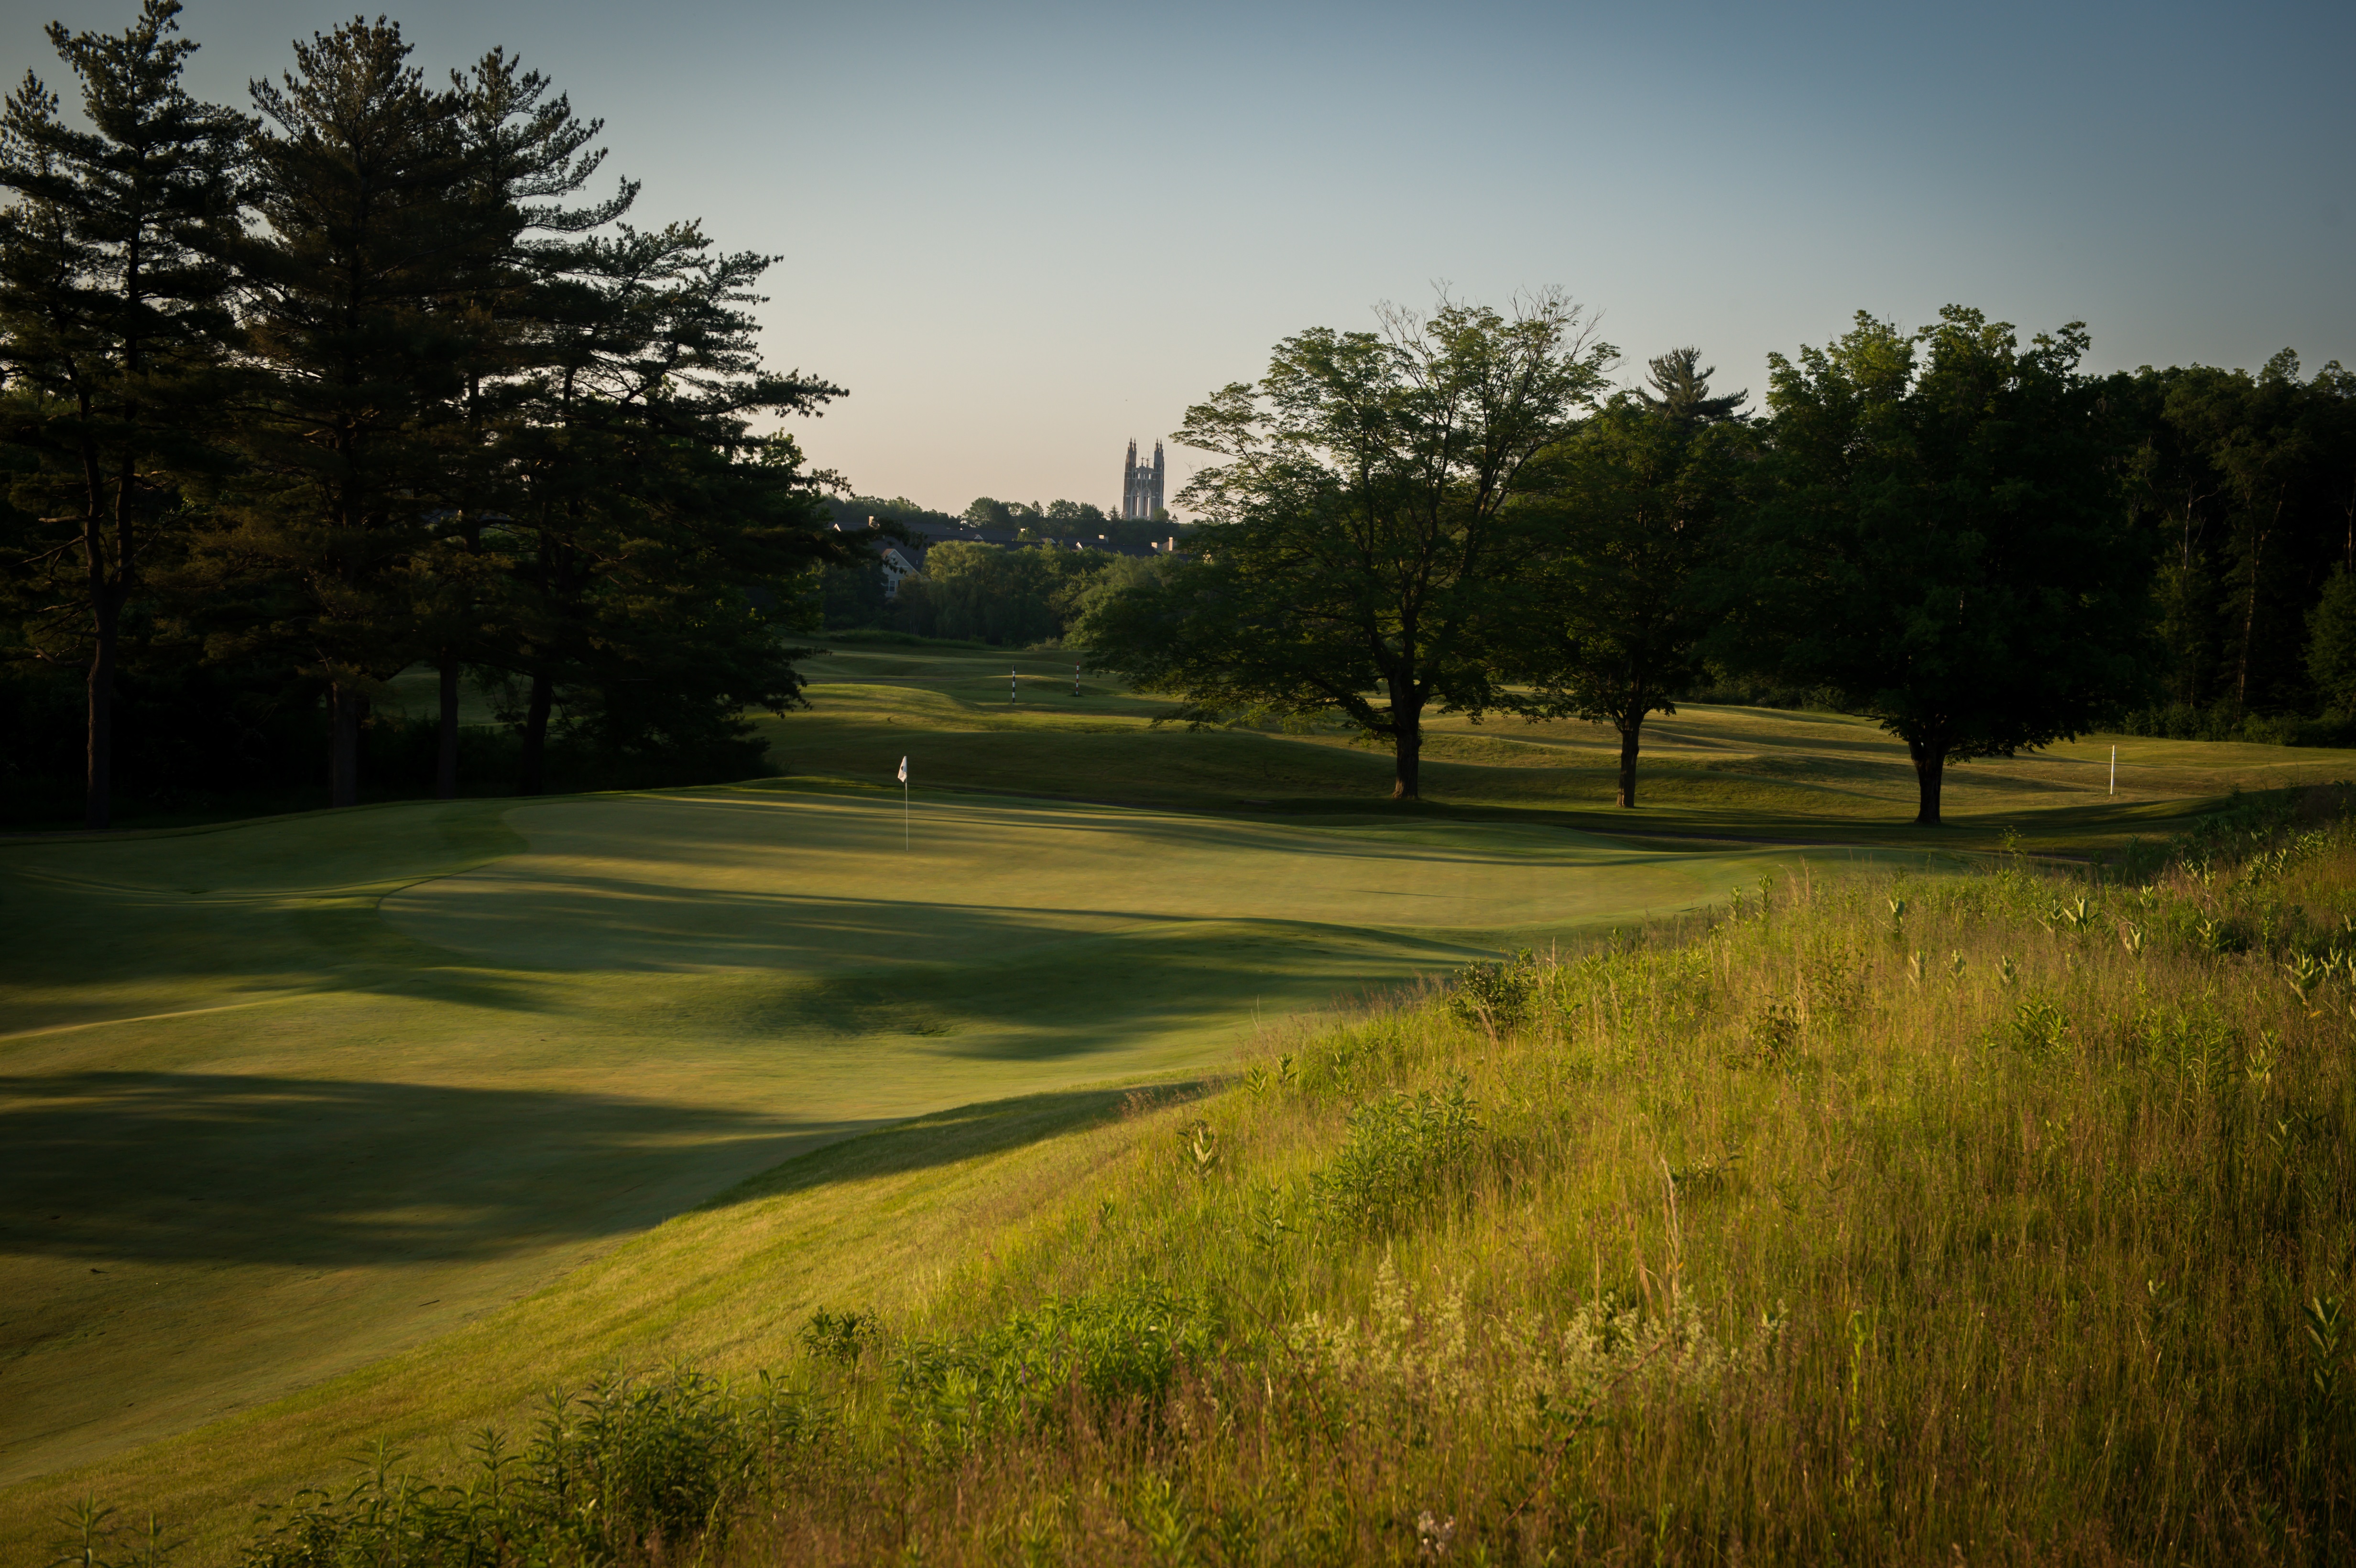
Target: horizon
[{"x": 1017, "y": 259}]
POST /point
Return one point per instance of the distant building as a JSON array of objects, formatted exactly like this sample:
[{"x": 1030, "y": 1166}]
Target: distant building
[
  {"x": 1141, "y": 487},
  {"x": 897, "y": 565}
]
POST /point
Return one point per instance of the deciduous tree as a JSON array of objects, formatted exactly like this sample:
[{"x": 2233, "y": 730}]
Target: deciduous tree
[
  {"x": 1946, "y": 544},
  {"x": 1624, "y": 541},
  {"x": 1357, "y": 540}
]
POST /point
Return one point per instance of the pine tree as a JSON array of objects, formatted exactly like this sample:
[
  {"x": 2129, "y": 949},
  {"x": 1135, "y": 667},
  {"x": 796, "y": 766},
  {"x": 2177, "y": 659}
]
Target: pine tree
[
  {"x": 1680, "y": 391},
  {"x": 114, "y": 326},
  {"x": 526, "y": 152},
  {"x": 649, "y": 505},
  {"x": 352, "y": 287}
]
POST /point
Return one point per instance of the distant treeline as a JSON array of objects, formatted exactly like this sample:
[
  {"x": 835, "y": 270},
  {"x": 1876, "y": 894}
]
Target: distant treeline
[
  {"x": 2246, "y": 488},
  {"x": 1025, "y": 586},
  {"x": 1057, "y": 522},
  {"x": 297, "y": 400},
  {"x": 1014, "y": 597},
  {"x": 1971, "y": 539}
]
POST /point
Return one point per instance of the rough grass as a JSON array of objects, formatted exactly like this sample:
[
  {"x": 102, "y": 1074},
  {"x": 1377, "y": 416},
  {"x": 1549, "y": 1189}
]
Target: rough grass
[{"x": 2008, "y": 1219}]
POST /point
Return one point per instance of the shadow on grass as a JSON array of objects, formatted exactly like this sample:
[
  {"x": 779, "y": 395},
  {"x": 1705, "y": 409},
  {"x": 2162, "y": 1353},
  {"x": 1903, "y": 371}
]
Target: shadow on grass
[
  {"x": 173, "y": 1169},
  {"x": 1076, "y": 999},
  {"x": 176, "y": 1167},
  {"x": 964, "y": 1132}
]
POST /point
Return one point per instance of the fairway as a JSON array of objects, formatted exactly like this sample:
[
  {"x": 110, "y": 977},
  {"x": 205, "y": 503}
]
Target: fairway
[
  {"x": 1707, "y": 772},
  {"x": 810, "y": 883},
  {"x": 286, "y": 1097}
]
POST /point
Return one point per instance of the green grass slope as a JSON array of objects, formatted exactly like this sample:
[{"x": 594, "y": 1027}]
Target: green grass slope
[{"x": 283, "y": 1099}]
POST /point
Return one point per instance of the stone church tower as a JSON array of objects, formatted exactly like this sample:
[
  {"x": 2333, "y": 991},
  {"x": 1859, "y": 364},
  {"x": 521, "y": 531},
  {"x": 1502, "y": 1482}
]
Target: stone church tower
[{"x": 1141, "y": 487}]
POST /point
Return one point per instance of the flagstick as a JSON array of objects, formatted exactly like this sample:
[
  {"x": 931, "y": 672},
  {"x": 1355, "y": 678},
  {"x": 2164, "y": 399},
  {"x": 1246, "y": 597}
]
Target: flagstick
[
  {"x": 904, "y": 816},
  {"x": 2115, "y": 770}
]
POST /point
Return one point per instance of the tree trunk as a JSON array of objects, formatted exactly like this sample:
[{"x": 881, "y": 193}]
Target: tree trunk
[
  {"x": 1407, "y": 783},
  {"x": 344, "y": 707},
  {"x": 1629, "y": 730},
  {"x": 446, "y": 760},
  {"x": 99, "y": 793},
  {"x": 98, "y": 776},
  {"x": 1930, "y": 773},
  {"x": 2249, "y": 625},
  {"x": 535, "y": 735}
]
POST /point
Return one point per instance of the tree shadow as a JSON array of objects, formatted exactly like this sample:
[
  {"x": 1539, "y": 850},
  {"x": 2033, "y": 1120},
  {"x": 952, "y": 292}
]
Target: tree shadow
[
  {"x": 166, "y": 1169},
  {"x": 1062, "y": 1002},
  {"x": 961, "y": 1133},
  {"x": 201, "y": 1168}
]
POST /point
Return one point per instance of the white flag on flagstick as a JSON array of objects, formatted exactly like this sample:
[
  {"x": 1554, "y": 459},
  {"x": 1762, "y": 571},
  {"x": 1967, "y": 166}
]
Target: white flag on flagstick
[{"x": 903, "y": 770}]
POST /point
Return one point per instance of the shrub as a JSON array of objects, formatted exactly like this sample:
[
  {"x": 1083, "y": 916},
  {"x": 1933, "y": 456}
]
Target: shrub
[
  {"x": 1495, "y": 996},
  {"x": 839, "y": 1337},
  {"x": 625, "y": 1469},
  {"x": 1107, "y": 1347},
  {"x": 1400, "y": 1153}
]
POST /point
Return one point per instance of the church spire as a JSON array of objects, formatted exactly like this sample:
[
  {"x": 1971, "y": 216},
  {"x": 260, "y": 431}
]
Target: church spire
[{"x": 1141, "y": 487}]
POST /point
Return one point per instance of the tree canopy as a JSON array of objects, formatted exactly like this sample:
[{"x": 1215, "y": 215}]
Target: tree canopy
[
  {"x": 362, "y": 382},
  {"x": 1357, "y": 539},
  {"x": 1627, "y": 537},
  {"x": 1944, "y": 544}
]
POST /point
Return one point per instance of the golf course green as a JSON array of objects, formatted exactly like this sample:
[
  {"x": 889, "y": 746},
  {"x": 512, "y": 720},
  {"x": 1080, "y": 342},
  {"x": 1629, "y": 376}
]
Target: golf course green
[{"x": 291, "y": 1108}]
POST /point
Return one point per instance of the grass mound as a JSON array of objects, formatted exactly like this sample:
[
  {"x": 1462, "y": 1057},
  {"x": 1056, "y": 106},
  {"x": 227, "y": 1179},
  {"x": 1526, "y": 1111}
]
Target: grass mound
[{"x": 2001, "y": 1218}]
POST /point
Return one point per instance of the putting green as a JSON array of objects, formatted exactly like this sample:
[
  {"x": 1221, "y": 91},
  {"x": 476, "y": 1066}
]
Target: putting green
[
  {"x": 284, "y": 1098},
  {"x": 814, "y": 883}
]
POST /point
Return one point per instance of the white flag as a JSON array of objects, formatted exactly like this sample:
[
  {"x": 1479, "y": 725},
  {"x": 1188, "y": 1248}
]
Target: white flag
[{"x": 903, "y": 770}]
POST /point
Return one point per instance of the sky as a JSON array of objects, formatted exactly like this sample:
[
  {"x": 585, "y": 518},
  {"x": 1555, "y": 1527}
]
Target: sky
[{"x": 1023, "y": 235}]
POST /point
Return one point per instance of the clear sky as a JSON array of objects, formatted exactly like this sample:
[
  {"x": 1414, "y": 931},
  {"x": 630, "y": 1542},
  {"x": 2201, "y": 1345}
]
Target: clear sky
[{"x": 1023, "y": 234}]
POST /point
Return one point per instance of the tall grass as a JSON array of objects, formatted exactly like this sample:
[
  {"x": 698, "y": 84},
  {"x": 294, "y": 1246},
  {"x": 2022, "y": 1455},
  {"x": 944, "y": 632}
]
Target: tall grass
[{"x": 2001, "y": 1218}]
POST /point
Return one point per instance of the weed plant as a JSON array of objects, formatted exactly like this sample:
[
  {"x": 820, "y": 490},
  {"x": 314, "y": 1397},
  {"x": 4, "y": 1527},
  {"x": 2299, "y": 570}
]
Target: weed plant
[{"x": 2003, "y": 1219}]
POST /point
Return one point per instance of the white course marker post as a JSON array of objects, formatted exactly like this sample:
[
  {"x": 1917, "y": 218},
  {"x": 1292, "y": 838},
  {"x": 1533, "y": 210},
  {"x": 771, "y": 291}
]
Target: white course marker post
[
  {"x": 1075, "y": 680},
  {"x": 2115, "y": 770},
  {"x": 1012, "y": 678},
  {"x": 903, "y": 806}
]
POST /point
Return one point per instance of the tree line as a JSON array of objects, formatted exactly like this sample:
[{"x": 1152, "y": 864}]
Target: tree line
[
  {"x": 1016, "y": 596},
  {"x": 1971, "y": 539},
  {"x": 298, "y": 399},
  {"x": 1062, "y": 522},
  {"x": 1043, "y": 575}
]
